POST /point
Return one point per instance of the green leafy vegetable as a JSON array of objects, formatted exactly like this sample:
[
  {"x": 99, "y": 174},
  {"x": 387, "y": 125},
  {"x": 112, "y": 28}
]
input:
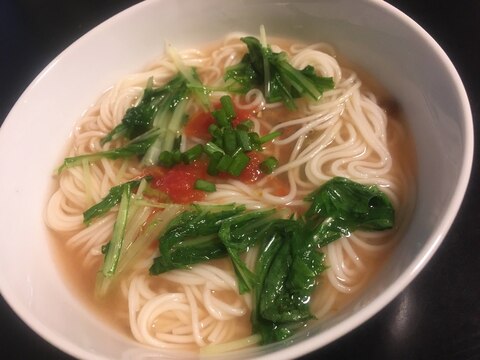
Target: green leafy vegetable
[
  {"x": 192, "y": 238},
  {"x": 108, "y": 202},
  {"x": 195, "y": 86},
  {"x": 154, "y": 103},
  {"x": 272, "y": 72},
  {"x": 115, "y": 245},
  {"x": 135, "y": 229},
  {"x": 286, "y": 268},
  {"x": 153, "y": 125},
  {"x": 210, "y": 232},
  {"x": 238, "y": 234},
  {"x": 289, "y": 259},
  {"x": 138, "y": 119},
  {"x": 135, "y": 147},
  {"x": 342, "y": 206},
  {"x": 204, "y": 185}
]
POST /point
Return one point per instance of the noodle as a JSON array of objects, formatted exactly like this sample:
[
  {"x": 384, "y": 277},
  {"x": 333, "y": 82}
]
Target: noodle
[{"x": 345, "y": 134}]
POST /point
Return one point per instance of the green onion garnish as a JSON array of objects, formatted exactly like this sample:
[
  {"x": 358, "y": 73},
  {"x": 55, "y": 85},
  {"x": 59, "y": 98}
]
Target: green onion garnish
[
  {"x": 221, "y": 117},
  {"x": 224, "y": 163},
  {"x": 245, "y": 125},
  {"x": 214, "y": 130},
  {"x": 177, "y": 156},
  {"x": 269, "y": 137},
  {"x": 165, "y": 159},
  {"x": 205, "y": 185},
  {"x": 192, "y": 154},
  {"x": 268, "y": 165},
  {"x": 239, "y": 162},
  {"x": 244, "y": 140},
  {"x": 210, "y": 148},
  {"x": 229, "y": 141},
  {"x": 228, "y": 107},
  {"x": 212, "y": 168},
  {"x": 255, "y": 140}
]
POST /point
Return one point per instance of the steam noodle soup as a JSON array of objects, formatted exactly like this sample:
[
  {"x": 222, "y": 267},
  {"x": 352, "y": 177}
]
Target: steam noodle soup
[{"x": 354, "y": 131}]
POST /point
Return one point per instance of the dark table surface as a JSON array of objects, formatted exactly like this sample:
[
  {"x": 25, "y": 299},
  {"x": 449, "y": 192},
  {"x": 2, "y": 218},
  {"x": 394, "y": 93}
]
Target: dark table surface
[{"x": 436, "y": 317}]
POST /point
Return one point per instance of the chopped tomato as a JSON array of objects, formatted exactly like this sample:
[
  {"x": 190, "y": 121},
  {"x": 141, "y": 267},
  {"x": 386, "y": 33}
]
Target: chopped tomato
[
  {"x": 178, "y": 182},
  {"x": 198, "y": 125}
]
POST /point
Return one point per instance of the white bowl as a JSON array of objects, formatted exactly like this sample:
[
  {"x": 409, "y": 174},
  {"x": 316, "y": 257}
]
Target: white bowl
[{"x": 372, "y": 34}]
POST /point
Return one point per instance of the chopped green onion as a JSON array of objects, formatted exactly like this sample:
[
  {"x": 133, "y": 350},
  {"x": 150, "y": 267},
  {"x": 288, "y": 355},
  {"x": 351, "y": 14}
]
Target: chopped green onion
[
  {"x": 228, "y": 107},
  {"x": 192, "y": 154},
  {"x": 221, "y": 117},
  {"x": 239, "y": 162},
  {"x": 246, "y": 125},
  {"x": 218, "y": 141},
  {"x": 235, "y": 153},
  {"x": 224, "y": 163},
  {"x": 177, "y": 142},
  {"x": 177, "y": 156},
  {"x": 255, "y": 140},
  {"x": 244, "y": 140},
  {"x": 229, "y": 141},
  {"x": 210, "y": 148},
  {"x": 212, "y": 168},
  {"x": 205, "y": 185},
  {"x": 214, "y": 130},
  {"x": 165, "y": 159},
  {"x": 268, "y": 165},
  {"x": 269, "y": 137}
]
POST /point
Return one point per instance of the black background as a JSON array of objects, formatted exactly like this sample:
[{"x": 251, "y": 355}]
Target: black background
[{"x": 438, "y": 314}]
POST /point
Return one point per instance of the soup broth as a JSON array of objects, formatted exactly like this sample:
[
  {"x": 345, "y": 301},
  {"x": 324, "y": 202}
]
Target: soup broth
[{"x": 356, "y": 130}]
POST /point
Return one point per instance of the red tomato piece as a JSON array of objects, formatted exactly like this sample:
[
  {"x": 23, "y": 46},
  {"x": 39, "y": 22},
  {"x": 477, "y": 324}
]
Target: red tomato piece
[
  {"x": 178, "y": 182},
  {"x": 198, "y": 125}
]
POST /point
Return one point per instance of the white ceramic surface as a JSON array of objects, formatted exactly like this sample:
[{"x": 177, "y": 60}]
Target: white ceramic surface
[{"x": 372, "y": 34}]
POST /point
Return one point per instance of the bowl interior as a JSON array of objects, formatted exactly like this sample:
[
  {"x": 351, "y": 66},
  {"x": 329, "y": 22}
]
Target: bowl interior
[{"x": 371, "y": 34}]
